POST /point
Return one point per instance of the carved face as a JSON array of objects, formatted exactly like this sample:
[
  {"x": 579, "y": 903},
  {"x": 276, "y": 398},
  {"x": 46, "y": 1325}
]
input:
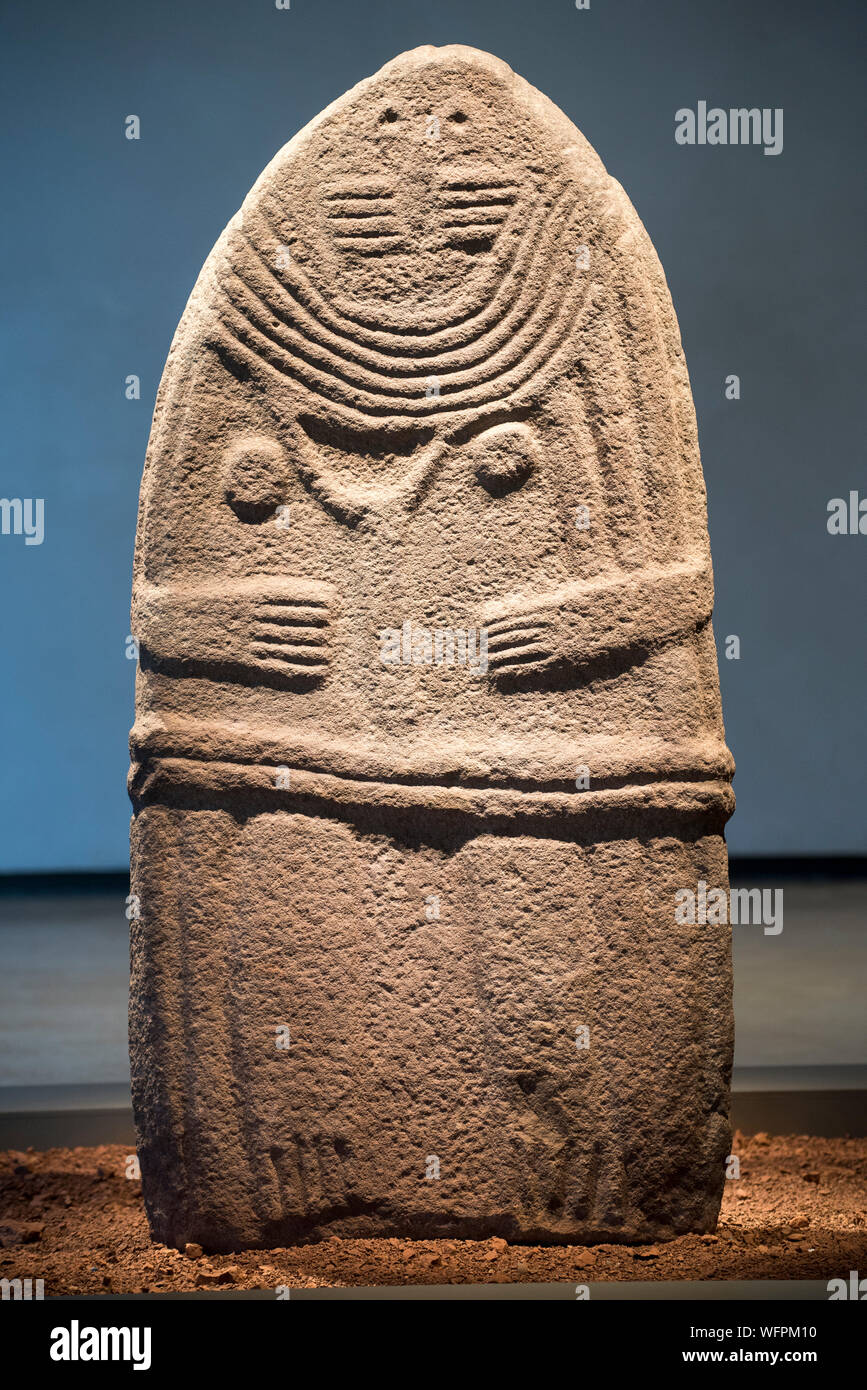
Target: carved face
[
  {"x": 435, "y": 183},
  {"x": 409, "y": 266}
]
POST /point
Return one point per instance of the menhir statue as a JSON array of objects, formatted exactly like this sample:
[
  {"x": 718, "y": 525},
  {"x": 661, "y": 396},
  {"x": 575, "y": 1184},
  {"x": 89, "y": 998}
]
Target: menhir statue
[{"x": 428, "y": 731}]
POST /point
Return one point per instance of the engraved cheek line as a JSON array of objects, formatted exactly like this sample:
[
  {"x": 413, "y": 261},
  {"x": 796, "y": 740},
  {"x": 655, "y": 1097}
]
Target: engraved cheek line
[
  {"x": 459, "y": 335},
  {"x": 372, "y": 243},
  {"x": 517, "y": 312},
  {"x": 358, "y": 213},
  {"x": 471, "y": 207},
  {"x": 368, "y": 190},
  {"x": 391, "y": 239},
  {"x": 481, "y": 188},
  {"x": 380, "y": 336},
  {"x": 273, "y": 352},
  {"x": 527, "y": 312},
  {"x": 366, "y": 219},
  {"x": 502, "y": 197},
  {"x": 382, "y": 234},
  {"x": 362, "y": 215}
]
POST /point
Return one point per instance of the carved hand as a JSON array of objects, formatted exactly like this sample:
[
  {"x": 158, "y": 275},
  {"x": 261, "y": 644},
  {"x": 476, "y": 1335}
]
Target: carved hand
[
  {"x": 583, "y": 621},
  {"x": 273, "y": 628}
]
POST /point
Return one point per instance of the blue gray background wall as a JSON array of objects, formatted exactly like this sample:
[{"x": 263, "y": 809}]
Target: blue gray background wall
[{"x": 103, "y": 239}]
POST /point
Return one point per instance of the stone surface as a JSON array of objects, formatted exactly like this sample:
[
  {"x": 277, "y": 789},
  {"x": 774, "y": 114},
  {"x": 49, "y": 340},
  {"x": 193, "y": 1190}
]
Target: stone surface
[{"x": 428, "y": 732}]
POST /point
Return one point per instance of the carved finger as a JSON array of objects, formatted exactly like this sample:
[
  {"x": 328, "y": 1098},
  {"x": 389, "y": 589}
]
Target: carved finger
[
  {"x": 276, "y": 612},
  {"x": 519, "y": 658},
  {"x": 536, "y": 619},
  {"x": 278, "y": 634},
  {"x": 301, "y": 657},
  {"x": 518, "y": 637}
]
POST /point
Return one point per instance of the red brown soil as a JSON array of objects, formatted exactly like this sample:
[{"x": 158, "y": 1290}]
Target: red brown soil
[{"x": 72, "y": 1218}]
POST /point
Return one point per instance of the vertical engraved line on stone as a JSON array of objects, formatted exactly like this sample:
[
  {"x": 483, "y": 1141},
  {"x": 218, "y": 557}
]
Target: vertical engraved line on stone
[
  {"x": 604, "y": 379},
  {"x": 163, "y": 450},
  {"x": 585, "y": 488},
  {"x": 658, "y": 445},
  {"x": 586, "y": 1178},
  {"x": 672, "y": 462},
  {"x": 715, "y": 1027},
  {"x": 227, "y": 1146},
  {"x": 707, "y": 682},
  {"x": 692, "y": 480}
]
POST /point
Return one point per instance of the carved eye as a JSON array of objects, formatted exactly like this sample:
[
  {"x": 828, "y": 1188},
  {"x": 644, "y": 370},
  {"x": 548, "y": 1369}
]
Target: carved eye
[
  {"x": 390, "y": 116},
  {"x": 255, "y": 474},
  {"x": 503, "y": 458}
]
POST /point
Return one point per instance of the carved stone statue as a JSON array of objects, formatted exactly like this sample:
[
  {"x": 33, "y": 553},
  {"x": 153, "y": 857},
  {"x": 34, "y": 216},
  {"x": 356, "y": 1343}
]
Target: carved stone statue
[{"x": 428, "y": 729}]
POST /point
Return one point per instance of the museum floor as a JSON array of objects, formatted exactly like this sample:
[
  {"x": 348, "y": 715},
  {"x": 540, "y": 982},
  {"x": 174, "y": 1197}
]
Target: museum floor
[
  {"x": 73, "y": 1219},
  {"x": 69, "y": 1215}
]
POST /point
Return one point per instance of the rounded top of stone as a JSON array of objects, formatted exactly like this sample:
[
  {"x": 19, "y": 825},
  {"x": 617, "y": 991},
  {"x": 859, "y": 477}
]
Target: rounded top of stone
[
  {"x": 429, "y": 67},
  {"x": 444, "y": 55}
]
